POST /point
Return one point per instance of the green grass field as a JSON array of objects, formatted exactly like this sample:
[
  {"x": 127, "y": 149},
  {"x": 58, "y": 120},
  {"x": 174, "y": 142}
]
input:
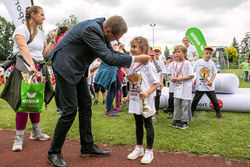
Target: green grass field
[{"x": 228, "y": 138}]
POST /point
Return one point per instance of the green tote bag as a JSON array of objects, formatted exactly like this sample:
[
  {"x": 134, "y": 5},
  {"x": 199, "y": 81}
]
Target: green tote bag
[{"x": 32, "y": 97}]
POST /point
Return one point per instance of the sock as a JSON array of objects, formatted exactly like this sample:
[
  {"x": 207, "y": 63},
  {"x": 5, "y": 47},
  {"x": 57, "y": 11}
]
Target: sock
[
  {"x": 19, "y": 132},
  {"x": 140, "y": 146},
  {"x": 35, "y": 126}
]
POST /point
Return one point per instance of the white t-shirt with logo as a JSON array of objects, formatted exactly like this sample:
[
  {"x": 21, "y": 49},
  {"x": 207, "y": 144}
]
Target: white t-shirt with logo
[
  {"x": 148, "y": 78},
  {"x": 35, "y": 47},
  {"x": 160, "y": 69},
  {"x": 204, "y": 72},
  {"x": 93, "y": 64},
  {"x": 190, "y": 51},
  {"x": 171, "y": 72},
  {"x": 182, "y": 89}
]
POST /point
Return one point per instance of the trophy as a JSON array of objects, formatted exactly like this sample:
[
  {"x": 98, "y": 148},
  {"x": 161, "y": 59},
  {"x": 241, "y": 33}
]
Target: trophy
[{"x": 135, "y": 78}]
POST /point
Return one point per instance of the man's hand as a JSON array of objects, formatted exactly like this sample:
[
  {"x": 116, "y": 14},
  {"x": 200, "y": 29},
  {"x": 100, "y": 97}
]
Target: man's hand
[{"x": 142, "y": 58}]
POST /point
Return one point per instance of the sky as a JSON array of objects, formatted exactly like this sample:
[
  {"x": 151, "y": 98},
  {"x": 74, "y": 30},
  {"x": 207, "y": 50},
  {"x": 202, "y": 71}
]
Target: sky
[{"x": 219, "y": 20}]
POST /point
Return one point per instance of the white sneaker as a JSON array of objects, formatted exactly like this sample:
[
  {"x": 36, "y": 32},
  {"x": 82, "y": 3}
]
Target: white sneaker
[
  {"x": 18, "y": 143},
  {"x": 38, "y": 135},
  {"x": 148, "y": 157},
  {"x": 138, "y": 152}
]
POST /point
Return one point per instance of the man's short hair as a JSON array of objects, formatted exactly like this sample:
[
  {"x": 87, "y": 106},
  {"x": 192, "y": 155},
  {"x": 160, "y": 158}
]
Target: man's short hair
[{"x": 117, "y": 24}]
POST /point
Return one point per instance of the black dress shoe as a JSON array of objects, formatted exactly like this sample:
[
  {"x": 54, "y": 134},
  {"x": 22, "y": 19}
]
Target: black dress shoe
[
  {"x": 95, "y": 151},
  {"x": 56, "y": 160}
]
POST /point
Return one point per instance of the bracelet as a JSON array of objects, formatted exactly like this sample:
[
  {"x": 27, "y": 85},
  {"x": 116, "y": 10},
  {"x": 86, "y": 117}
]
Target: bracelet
[{"x": 53, "y": 42}]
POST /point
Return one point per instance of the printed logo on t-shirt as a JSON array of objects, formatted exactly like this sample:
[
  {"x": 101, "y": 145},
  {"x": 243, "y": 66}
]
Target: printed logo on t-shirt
[
  {"x": 158, "y": 68},
  {"x": 204, "y": 74}
]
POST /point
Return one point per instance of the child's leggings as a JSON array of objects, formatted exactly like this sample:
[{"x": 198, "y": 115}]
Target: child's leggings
[
  {"x": 118, "y": 99},
  {"x": 139, "y": 121},
  {"x": 22, "y": 118}
]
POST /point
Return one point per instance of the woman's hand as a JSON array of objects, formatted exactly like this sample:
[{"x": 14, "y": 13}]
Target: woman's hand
[
  {"x": 33, "y": 70},
  {"x": 53, "y": 35}
]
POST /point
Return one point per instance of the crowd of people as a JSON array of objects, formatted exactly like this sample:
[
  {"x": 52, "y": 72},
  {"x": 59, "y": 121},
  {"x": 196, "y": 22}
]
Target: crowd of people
[{"x": 88, "y": 60}]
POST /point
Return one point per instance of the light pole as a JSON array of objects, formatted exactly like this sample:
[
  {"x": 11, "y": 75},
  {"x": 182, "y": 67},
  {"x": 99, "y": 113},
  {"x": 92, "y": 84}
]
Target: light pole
[{"x": 153, "y": 25}]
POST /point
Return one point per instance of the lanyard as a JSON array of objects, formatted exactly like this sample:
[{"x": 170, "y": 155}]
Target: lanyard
[
  {"x": 133, "y": 69},
  {"x": 175, "y": 69}
]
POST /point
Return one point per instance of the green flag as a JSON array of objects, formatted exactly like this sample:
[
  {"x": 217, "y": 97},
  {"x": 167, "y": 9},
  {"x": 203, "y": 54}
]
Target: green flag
[{"x": 197, "y": 39}]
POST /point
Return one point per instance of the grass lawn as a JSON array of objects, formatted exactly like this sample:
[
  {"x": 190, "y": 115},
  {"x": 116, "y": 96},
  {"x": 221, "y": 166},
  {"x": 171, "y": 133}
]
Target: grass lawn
[{"x": 228, "y": 138}]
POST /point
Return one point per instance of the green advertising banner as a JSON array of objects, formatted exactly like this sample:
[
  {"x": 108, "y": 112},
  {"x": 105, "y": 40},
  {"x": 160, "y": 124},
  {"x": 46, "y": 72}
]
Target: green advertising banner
[{"x": 197, "y": 39}]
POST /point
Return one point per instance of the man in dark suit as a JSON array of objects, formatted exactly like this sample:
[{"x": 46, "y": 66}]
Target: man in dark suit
[{"x": 70, "y": 59}]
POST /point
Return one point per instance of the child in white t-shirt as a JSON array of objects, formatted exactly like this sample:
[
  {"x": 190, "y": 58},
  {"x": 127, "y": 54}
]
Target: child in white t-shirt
[
  {"x": 205, "y": 74},
  {"x": 161, "y": 70},
  {"x": 148, "y": 85},
  {"x": 181, "y": 74}
]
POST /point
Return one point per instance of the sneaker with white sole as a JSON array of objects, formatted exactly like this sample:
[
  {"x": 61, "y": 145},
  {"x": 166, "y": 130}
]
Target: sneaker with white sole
[
  {"x": 38, "y": 135},
  {"x": 18, "y": 143},
  {"x": 148, "y": 157},
  {"x": 138, "y": 152}
]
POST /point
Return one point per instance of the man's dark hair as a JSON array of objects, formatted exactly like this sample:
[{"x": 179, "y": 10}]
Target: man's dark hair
[{"x": 117, "y": 24}]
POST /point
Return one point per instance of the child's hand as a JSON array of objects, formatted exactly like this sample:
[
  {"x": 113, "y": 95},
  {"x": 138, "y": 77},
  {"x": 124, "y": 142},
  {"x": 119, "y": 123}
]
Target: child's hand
[
  {"x": 173, "y": 80},
  {"x": 178, "y": 79},
  {"x": 210, "y": 83},
  {"x": 125, "y": 100},
  {"x": 161, "y": 85},
  {"x": 143, "y": 95}
]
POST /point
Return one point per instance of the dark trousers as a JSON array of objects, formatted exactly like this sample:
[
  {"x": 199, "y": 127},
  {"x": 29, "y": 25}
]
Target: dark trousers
[
  {"x": 71, "y": 97},
  {"x": 57, "y": 98},
  {"x": 124, "y": 91},
  {"x": 157, "y": 99},
  {"x": 170, "y": 102},
  {"x": 246, "y": 75},
  {"x": 211, "y": 95},
  {"x": 139, "y": 121}
]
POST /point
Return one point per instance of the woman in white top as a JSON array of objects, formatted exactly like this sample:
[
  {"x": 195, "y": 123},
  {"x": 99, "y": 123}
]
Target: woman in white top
[
  {"x": 192, "y": 54},
  {"x": 36, "y": 50}
]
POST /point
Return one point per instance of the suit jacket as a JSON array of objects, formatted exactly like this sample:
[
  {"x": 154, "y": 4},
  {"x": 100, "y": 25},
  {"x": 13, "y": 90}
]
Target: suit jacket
[{"x": 80, "y": 46}]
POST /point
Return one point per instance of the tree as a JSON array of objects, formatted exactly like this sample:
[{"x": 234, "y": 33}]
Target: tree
[
  {"x": 232, "y": 54},
  {"x": 6, "y": 42},
  {"x": 235, "y": 44},
  {"x": 245, "y": 44},
  {"x": 70, "y": 22},
  {"x": 166, "y": 52}
]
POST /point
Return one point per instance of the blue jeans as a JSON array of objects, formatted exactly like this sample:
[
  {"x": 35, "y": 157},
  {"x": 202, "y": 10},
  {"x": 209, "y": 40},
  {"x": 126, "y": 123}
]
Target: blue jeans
[{"x": 115, "y": 86}]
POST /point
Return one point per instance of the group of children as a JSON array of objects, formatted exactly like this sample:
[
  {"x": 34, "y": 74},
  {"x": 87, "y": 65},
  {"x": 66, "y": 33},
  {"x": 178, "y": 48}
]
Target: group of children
[{"x": 180, "y": 73}]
